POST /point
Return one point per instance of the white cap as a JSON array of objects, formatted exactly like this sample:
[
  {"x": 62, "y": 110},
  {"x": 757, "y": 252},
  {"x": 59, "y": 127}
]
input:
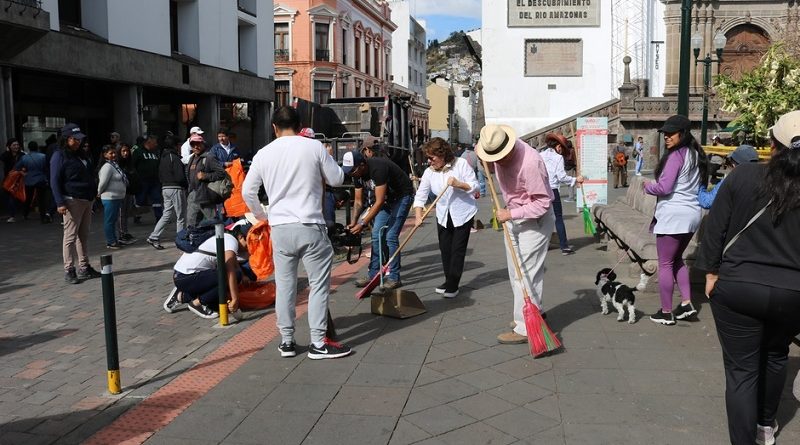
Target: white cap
[{"x": 196, "y": 130}]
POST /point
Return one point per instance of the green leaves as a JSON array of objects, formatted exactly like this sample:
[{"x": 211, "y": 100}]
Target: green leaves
[{"x": 764, "y": 94}]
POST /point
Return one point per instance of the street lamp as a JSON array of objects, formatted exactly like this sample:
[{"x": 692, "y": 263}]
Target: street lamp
[{"x": 719, "y": 45}]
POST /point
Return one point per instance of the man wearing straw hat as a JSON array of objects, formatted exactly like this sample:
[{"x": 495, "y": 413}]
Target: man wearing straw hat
[{"x": 529, "y": 218}]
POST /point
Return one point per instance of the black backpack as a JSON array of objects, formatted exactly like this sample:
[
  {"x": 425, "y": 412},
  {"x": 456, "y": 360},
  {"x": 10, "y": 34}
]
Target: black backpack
[{"x": 190, "y": 238}]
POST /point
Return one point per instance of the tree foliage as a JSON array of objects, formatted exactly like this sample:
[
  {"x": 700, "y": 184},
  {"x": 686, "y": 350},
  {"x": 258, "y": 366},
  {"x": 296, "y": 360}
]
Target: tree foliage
[{"x": 761, "y": 96}]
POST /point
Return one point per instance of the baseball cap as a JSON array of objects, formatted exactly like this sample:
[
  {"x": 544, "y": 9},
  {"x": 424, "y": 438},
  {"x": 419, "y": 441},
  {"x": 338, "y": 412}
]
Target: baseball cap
[
  {"x": 744, "y": 154},
  {"x": 307, "y": 132},
  {"x": 196, "y": 138},
  {"x": 196, "y": 130},
  {"x": 73, "y": 131},
  {"x": 370, "y": 141},
  {"x": 675, "y": 124},
  {"x": 352, "y": 159},
  {"x": 787, "y": 129}
]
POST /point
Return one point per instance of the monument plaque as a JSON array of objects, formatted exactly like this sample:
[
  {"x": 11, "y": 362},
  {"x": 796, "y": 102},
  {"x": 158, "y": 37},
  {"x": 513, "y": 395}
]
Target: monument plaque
[
  {"x": 553, "y": 57},
  {"x": 553, "y": 13}
]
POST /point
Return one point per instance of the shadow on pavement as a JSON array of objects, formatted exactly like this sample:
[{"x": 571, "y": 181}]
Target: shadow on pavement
[
  {"x": 365, "y": 327},
  {"x": 10, "y": 345},
  {"x": 156, "y": 268},
  {"x": 77, "y": 426}
]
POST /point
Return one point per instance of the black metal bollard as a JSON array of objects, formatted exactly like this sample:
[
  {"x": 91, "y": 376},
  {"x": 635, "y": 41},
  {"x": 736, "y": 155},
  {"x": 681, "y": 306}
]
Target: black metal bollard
[
  {"x": 110, "y": 322},
  {"x": 222, "y": 276}
]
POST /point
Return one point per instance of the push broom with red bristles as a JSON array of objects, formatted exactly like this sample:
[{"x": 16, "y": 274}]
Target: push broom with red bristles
[{"x": 540, "y": 338}]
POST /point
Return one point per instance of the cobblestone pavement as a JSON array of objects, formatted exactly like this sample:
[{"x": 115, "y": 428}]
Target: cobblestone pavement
[{"x": 439, "y": 378}]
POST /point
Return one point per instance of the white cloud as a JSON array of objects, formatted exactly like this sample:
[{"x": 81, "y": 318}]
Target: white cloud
[{"x": 455, "y": 8}]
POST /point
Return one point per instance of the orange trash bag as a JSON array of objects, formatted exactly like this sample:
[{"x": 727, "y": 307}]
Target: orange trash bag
[
  {"x": 14, "y": 184},
  {"x": 255, "y": 296},
  {"x": 259, "y": 245},
  {"x": 235, "y": 206}
]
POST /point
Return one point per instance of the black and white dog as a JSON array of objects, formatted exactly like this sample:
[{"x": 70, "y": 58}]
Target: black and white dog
[{"x": 617, "y": 293}]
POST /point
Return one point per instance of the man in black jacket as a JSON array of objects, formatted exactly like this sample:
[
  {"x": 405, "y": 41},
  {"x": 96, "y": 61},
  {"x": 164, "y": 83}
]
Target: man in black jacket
[
  {"x": 172, "y": 176},
  {"x": 202, "y": 169}
]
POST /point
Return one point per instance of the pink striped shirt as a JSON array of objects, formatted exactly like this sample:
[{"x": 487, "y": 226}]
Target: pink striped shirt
[{"x": 524, "y": 183}]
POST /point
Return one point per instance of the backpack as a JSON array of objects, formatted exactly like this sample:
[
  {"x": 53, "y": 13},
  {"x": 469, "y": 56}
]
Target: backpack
[
  {"x": 619, "y": 158},
  {"x": 189, "y": 239}
]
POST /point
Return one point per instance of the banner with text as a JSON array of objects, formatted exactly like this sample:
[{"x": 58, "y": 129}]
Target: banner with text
[
  {"x": 592, "y": 139},
  {"x": 553, "y": 13}
]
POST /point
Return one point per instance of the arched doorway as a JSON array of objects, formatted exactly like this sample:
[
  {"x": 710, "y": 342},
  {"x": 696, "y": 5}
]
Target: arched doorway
[{"x": 744, "y": 49}]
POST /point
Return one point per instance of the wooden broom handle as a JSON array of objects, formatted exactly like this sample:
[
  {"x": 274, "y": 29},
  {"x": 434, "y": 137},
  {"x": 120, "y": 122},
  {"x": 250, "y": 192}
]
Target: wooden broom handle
[
  {"x": 414, "y": 229},
  {"x": 514, "y": 258}
]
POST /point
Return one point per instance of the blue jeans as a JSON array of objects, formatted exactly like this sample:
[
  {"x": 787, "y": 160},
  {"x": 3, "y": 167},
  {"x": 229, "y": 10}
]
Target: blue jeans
[
  {"x": 111, "y": 209},
  {"x": 329, "y": 208},
  {"x": 393, "y": 216},
  {"x": 639, "y": 164},
  {"x": 560, "y": 229},
  {"x": 482, "y": 182}
]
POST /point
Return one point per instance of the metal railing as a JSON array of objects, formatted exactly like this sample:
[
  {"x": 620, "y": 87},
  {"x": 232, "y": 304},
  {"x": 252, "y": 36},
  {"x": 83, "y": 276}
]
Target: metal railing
[
  {"x": 281, "y": 55},
  {"x": 322, "y": 55}
]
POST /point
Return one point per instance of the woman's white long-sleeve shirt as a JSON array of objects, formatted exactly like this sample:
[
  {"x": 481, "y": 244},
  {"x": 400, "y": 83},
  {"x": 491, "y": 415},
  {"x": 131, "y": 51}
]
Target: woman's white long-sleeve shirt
[
  {"x": 460, "y": 204},
  {"x": 556, "y": 174}
]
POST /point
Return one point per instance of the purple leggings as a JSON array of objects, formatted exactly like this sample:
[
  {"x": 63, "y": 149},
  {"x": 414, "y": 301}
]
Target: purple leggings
[{"x": 671, "y": 268}]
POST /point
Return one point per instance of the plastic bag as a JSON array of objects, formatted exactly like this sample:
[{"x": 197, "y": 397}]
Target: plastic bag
[
  {"x": 259, "y": 245},
  {"x": 14, "y": 184},
  {"x": 257, "y": 295}
]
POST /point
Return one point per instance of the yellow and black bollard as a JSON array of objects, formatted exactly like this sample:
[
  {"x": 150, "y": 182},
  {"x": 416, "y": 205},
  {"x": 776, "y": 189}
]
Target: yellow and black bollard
[
  {"x": 222, "y": 276},
  {"x": 110, "y": 317}
]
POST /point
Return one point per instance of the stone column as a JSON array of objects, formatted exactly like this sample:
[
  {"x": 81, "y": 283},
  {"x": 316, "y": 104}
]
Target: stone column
[
  {"x": 208, "y": 114},
  {"x": 672, "y": 43},
  {"x": 127, "y": 118},
  {"x": 262, "y": 128},
  {"x": 6, "y": 106}
]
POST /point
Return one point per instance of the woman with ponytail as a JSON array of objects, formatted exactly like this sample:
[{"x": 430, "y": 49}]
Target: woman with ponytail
[
  {"x": 680, "y": 172},
  {"x": 751, "y": 253}
]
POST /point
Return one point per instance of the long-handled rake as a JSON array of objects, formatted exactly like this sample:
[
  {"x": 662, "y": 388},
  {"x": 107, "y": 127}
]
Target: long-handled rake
[{"x": 540, "y": 337}]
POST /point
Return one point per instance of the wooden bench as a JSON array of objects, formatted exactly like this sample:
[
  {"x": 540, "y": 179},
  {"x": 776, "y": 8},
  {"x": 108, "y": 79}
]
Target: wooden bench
[{"x": 625, "y": 224}]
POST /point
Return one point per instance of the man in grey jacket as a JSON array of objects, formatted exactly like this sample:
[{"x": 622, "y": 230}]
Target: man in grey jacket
[
  {"x": 202, "y": 169},
  {"x": 172, "y": 176}
]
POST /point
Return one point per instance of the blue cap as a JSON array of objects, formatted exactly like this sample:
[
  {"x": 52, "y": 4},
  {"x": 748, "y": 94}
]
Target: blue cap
[
  {"x": 73, "y": 131},
  {"x": 744, "y": 154},
  {"x": 351, "y": 159}
]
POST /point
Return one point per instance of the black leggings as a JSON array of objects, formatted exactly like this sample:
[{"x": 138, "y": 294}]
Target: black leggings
[
  {"x": 755, "y": 324},
  {"x": 201, "y": 285}
]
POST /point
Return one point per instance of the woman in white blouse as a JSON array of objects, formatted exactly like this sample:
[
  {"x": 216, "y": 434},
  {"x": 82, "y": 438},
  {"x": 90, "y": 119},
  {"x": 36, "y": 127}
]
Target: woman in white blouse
[{"x": 455, "y": 210}]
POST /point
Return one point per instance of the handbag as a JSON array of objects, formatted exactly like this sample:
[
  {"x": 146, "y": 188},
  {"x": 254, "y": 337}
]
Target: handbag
[
  {"x": 749, "y": 223},
  {"x": 221, "y": 189},
  {"x": 14, "y": 184}
]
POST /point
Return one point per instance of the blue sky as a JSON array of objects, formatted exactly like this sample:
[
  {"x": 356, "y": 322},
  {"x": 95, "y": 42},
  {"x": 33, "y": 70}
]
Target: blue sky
[{"x": 445, "y": 16}]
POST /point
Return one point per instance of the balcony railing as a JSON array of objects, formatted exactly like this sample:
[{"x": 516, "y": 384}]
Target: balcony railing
[
  {"x": 30, "y": 3},
  {"x": 281, "y": 55},
  {"x": 322, "y": 55}
]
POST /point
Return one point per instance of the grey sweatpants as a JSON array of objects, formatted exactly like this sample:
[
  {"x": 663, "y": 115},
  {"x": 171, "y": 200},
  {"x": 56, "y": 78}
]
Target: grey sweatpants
[
  {"x": 174, "y": 208},
  {"x": 309, "y": 243}
]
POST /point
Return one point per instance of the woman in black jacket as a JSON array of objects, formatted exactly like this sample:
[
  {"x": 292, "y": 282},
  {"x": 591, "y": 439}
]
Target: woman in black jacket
[{"x": 751, "y": 253}]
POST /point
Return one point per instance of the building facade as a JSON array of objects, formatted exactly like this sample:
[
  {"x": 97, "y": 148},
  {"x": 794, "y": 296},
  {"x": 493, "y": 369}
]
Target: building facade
[
  {"x": 750, "y": 26},
  {"x": 409, "y": 41},
  {"x": 544, "y": 63},
  {"x": 437, "y": 117},
  {"x": 136, "y": 67},
  {"x": 331, "y": 49}
]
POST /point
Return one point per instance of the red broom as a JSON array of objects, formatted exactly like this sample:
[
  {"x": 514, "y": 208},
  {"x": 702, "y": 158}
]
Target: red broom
[
  {"x": 373, "y": 283},
  {"x": 540, "y": 337}
]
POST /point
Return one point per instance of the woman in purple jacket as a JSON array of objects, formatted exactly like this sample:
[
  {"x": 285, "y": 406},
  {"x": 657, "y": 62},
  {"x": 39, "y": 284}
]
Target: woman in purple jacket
[{"x": 678, "y": 175}]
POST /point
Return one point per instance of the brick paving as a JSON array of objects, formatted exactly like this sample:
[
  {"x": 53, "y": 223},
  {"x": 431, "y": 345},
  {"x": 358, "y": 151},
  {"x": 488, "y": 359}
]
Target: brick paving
[{"x": 438, "y": 378}]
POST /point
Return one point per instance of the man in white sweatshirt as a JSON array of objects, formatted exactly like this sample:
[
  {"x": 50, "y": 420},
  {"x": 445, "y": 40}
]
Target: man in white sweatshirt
[{"x": 293, "y": 170}]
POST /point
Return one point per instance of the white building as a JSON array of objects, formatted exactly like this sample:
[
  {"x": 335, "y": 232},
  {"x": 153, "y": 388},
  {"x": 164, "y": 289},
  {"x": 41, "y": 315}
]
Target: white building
[
  {"x": 546, "y": 61},
  {"x": 135, "y": 66},
  {"x": 409, "y": 42}
]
